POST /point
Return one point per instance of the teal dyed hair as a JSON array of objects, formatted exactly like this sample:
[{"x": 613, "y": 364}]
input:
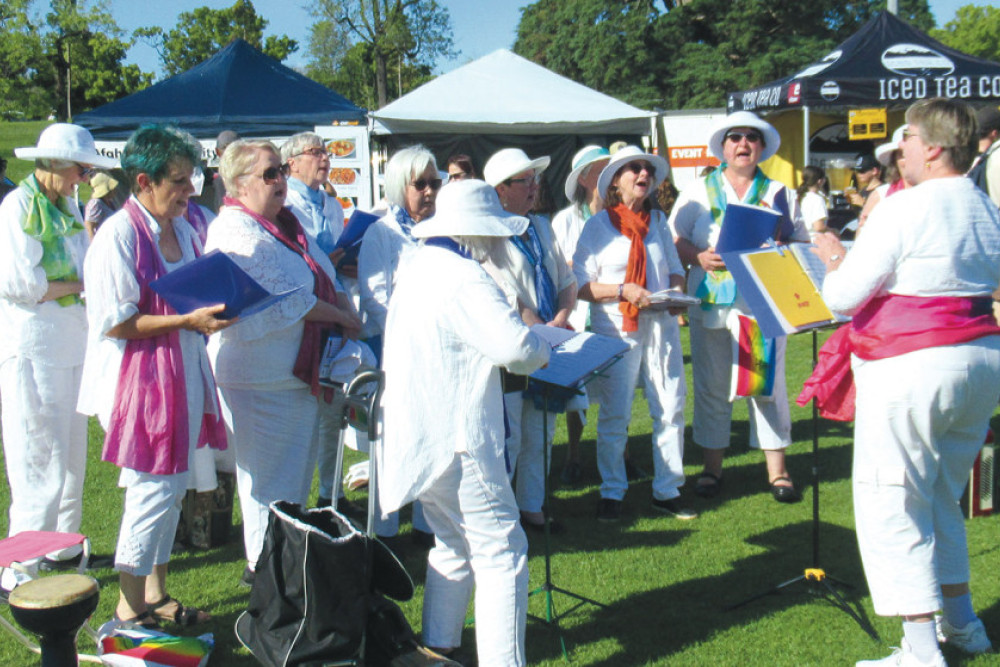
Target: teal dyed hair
[{"x": 151, "y": 149}]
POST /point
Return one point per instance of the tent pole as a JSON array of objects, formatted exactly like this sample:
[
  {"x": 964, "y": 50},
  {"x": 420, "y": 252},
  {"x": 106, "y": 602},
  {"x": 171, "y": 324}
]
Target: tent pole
[{"x": 805, "y": 136}]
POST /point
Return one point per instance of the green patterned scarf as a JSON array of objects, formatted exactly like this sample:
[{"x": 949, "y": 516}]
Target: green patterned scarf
[
  {"x": 51, "y": 224},
  {"x": 718, "y": 288}
]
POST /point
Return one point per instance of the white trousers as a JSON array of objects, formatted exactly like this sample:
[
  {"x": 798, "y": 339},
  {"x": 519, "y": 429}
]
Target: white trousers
[
  {"x": 272, "y": 435},
  {"x": 655, "y": 357},
  {"x": 711, "y": 368},
  {"x": 525, "y": 449},
  {"x": 149, "y": 520},
  {"x": 45, "y": 446},
  {"x": 921, "y": 420},
  {"x": 480, "y": 543}
]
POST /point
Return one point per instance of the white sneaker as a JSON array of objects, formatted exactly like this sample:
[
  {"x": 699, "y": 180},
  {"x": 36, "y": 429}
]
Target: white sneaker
[
  {"x": 971, "y": 638},
  {"x": 903, "y": 657}
]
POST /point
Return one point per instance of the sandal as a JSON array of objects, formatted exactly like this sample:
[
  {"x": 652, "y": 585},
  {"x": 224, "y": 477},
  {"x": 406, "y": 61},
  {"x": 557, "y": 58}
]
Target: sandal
[
  {"x": 783, "y": 493},
  {"x": 709, "y": 489},
  {"x": 143, "y": 621},
  {"x": 182, "y": 616}
]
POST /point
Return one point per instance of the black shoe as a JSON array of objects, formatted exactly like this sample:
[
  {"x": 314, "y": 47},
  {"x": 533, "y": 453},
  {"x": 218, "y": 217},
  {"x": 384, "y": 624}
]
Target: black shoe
[
  {"x": 711, "y": 487},
  {"x": 247, "y": 578},
  {"x": 785, "y": 494},
  {"x": 555, "y": 527},
  {"x": 423, "y": 539},
  {"x": 634, "y": 473},
  {"x": 96, "y": 562},
  {"x": 675, "y": 508},
  {"x": 609, "y": 510}
]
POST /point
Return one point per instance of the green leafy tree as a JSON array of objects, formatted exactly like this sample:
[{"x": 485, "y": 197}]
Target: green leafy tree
[
  {"x": 974, "y": 30},
  {"x": 405, "y": 36},
  {"x": 20, "y": 45},
  {"x": 203, "y": 32}
]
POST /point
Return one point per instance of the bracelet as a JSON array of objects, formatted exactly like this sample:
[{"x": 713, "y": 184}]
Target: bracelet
[{"x": 621, "y": 287}]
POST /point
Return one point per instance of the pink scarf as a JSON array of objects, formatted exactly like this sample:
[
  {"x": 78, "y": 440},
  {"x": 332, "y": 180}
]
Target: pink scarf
[
  {"x": 149, "y": 421},
  {"x": 307, "y": 363},
  {"x": 888, "y": 326}
]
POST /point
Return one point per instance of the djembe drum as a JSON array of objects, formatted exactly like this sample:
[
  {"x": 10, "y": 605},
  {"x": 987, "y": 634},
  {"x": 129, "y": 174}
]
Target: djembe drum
[{"x": 55, "y": 608}]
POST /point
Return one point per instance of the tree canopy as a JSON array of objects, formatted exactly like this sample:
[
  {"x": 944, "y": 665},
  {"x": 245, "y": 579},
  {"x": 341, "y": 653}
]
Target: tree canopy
[
  {"x": 201, "y": 33},
  {"x": 689, "y": 54},
  {"x": 974, "y": 30},
  {"x": 68, "y": 60},
  {"x": 363, "y": 47}
]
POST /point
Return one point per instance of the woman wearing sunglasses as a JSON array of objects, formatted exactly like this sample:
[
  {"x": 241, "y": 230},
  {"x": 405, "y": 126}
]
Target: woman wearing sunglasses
[
  {"x": 412, "y": 183},
  {"x": 43, "y": 332},
  {"x": 741, "y": 141},
  {"x": 536, "y": 277},
  {"x": 625, "y": 253},
  {"x": 268, "y": 366}
]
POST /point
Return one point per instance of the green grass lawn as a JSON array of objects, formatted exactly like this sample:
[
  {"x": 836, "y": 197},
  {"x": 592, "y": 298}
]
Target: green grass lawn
[{"x": 665, "y": 584}]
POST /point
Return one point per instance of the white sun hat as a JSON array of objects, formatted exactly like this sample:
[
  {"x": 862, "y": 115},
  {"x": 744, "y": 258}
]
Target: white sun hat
[
  {"x": 509, "y": 162},
  {"x": 884, "y": 152},
  {"x": 584, "y": 157},
  {"x": 623, "y": 157},
  {"x": 64, "y": 141},
  {"x": 772, "y": 140},
  {"x": 470, "y": 207}
]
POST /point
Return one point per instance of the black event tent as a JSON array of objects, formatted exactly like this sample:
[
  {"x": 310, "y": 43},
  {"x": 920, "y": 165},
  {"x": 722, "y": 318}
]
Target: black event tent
[
  {"x": 887, "y": 63},
  {"x": 239, "y": 88}
]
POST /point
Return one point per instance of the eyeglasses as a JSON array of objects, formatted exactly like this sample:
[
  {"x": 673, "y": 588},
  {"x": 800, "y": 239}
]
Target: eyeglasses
[
  {"x": 907, "y": 134},
  {"x": 524, "y": 180},
  {"x": 85, "y": 171},
  {"x": 458, "y": 176},
  {"x": 271, "y": 174},
  {"x": 751, "y": 137},
  {"x": 421, "y": 184},
  {"x": 637, "y": 167},
  {"x": 315, "y": 152}
]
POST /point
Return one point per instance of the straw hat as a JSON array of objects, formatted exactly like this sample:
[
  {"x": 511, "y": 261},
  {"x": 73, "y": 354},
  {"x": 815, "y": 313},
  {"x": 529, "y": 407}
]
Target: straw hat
[
  {"x": 772, "y": 140},
  {"x": 884, "y": 152},
  {"x": 64, "y": 141},
  {"x": 584, "y": 157},
  {"x": 470, "y": 208},
  {"x": 509, "y": 162},
  {"x": 102, "y": 184},
  {"x": 623, "y": 157}
]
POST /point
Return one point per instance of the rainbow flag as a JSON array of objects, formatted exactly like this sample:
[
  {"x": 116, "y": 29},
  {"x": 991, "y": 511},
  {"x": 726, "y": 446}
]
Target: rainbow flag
[
  {"x": 753, "y": 359},
  {"x": 157, "y": 650}
]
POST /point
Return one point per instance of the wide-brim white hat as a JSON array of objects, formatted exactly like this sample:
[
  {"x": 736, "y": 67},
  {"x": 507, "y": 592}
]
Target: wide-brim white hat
[
  {"x": 772, "y": 140},
  {"x": 65, "y": 141},
  {"x": 509, "y": 162},
  {"x": 470, "y": 207},
  {"x": 884, "y": 152},
  {"x": 623, "y": 157},
  {"x": 584, "y": 157}
]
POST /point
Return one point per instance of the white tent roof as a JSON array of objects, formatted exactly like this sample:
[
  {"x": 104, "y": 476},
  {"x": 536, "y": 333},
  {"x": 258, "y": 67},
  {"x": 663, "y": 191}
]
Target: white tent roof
[{"x": 503, "y": 93}]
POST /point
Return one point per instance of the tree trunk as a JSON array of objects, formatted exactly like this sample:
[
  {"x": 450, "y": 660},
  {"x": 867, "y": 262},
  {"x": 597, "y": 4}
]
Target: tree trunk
[{"x": 380, "y": 78}]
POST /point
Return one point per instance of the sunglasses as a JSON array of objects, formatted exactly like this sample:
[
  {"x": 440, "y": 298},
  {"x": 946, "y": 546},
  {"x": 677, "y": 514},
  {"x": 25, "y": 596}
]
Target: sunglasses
[
  {"x": 907, "y": 134},
  {"x": 272, "y": 174},
  {"x": 315, "y": 152},
  {"x": 85, "y": 171},
  {"x": 422, "y": 184},
  {"x": 638, "y": 167},
  {"x": 458, "y": 176},
  {"x": 751, "y": 137},
  {"x": 525, "y": 180}
]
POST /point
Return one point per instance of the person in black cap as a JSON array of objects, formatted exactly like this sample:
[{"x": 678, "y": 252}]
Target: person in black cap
[
  {"x": 868, "y": 176},
  {"x": 985, "y": 171}
]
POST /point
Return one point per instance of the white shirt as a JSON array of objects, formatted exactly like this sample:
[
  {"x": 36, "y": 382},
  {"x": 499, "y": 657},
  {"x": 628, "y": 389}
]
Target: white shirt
[
  {"x": 813, "y": 209},
  {"x": 383, "y": 243},
  {"x": 602, "y": 257},
  {"x": 940, "y": 238},
  {"x": 448, "y": 329},
  {"x": 260, "y": 351},
  {"x": 326, "y": 226},
  {"x": 567, "y": 225},
  {"x": 46, "y": 332},
  {"x": 516, "y": 275}
]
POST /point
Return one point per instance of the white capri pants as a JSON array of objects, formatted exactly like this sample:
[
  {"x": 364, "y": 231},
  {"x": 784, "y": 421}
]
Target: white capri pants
[
  {"x": 45, "y": 446},
  {"x": 525, "y": 450},
  {"x": 711, "y": 368},
  {"x": 149, "y": 520},
  {"x": 272, "y": 433},
  {"x": 655, "y": 357},
  {"x": 480, "y": 543},
  {"x": 920, "y": 422}
]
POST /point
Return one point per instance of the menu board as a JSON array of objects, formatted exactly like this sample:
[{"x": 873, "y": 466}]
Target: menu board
[{"x": 350, "y": 164}]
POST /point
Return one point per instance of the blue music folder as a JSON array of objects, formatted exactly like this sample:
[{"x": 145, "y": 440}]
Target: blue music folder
[
  {"x": 746, "y": 227},
  {"x": 212, "y": 279},
  {"x": 355, "y": 229}
]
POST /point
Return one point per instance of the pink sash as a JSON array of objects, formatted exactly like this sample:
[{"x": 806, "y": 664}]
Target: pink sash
[{"x": 149, "y": 421}]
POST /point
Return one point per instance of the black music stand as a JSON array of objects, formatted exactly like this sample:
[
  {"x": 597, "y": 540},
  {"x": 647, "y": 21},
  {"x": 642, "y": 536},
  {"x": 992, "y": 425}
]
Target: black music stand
[
  {"x": 606, "y": 354},
  {"x": 815, "y": 578}
]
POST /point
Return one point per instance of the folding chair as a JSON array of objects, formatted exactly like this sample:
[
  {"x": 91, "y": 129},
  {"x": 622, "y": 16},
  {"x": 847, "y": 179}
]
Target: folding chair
[{"x": 30, "y": 545}]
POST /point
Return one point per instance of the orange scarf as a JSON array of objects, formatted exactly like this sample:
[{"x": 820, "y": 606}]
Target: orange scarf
[{"x": 634, "y": 226}]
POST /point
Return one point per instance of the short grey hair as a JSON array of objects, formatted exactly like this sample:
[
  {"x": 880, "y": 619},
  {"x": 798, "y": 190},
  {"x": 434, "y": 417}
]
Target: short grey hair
[
  {"x": 239, "y": 159},
  {"x": 300, "y": 142},
  {"x": 52, "y": 164},
  {"x": 402, "y": 167}
]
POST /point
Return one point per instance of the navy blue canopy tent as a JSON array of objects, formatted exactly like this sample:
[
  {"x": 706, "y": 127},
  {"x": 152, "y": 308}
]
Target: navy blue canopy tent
[{"x": 239, "y": 88}]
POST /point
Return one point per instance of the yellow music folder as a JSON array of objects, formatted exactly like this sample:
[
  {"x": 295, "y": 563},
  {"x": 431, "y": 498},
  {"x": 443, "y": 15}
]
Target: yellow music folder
[{"x": 793, "y": 292}]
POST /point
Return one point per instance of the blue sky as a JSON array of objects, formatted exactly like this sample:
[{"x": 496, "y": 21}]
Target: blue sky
[{"x": 480, "y": 26}]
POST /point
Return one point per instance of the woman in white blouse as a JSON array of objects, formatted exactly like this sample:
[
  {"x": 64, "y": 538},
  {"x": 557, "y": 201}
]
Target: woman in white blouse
[{"x": 267, "y": 368}]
